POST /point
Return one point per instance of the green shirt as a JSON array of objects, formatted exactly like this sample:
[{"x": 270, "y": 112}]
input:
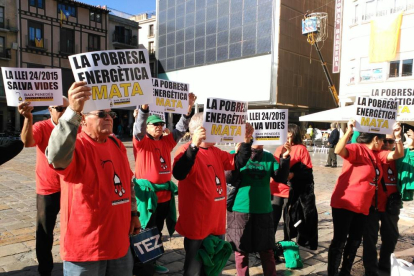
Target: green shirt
[{"x": 254, "y": 192}]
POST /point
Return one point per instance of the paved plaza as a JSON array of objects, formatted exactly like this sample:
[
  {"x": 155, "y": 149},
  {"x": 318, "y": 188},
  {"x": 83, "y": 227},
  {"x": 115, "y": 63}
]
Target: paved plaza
[{"x": 18, "y": 212}]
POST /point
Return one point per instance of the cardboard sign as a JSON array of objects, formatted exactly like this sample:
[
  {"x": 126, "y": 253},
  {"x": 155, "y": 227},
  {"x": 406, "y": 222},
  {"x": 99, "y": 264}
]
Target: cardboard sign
[
  {"x": 171, "y": 96},
  {"x": 42, "y": 87},
  {"x": 224, "y": 120},
  {"x": 270, "y": 126},
  {"x": 375, "y": 115},
  {"x": 118, "y": 78}
]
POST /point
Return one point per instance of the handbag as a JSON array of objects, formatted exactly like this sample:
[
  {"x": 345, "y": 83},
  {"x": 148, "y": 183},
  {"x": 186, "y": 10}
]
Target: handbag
[
  {"x": 147, "y": 245},
  {"x": 394, "y": 201},
  {"x": 401, "y": 267}
]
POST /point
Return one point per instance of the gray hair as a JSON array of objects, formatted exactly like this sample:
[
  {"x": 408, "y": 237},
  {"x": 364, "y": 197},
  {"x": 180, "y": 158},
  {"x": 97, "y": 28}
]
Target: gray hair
[
  {"x": 333, "y": 125},
  {"x": 64, "y": 97},
  {"x": 196, "y": 121}
]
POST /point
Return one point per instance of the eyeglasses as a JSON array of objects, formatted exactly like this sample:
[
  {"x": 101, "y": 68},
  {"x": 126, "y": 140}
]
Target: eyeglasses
[
  {"x": 59, "y": 108},
  {"x": 389, "y": 141},
  {"x": 102, "y": 114},
  {"x": 158, "y": 124}
]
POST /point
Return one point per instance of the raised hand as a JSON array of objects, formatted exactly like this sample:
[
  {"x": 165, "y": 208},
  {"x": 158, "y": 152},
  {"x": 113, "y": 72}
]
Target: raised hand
[
  {"x": 249, "y": 133},
  {"x": 25, "y": 109},
  {"x": 78, "y": 94},
  {"x": 199, "y": 136}
]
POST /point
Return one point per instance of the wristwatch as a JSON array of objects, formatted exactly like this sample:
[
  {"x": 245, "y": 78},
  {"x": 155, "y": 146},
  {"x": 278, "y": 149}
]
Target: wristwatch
[
  {"x": 193, "y": 146},
  {"x": 134, "y": 214}
]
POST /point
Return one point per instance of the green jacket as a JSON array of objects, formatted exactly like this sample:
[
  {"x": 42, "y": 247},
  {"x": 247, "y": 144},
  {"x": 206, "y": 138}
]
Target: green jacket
[
  {"x": 214, "y": 254},
  {"x": 147, "y": 201},
  {"x": 405, "y": 181}
]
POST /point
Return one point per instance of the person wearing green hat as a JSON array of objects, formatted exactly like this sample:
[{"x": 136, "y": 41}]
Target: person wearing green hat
[{"x": 152, "y": 151}]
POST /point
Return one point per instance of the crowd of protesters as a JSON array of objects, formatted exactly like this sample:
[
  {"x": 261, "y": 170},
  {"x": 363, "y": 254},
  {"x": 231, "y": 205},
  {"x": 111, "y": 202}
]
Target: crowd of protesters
[{"x": 82, "y": 170}]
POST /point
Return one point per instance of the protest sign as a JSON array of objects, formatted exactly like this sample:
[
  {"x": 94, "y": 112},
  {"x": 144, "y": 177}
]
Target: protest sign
[
  {"x": 224, "y": 120},
  {"x": 270, "y": 126},
  {"x": 375, "y": 115},
  {"x": 42, "y": 87},
  {"x": 171, "y": 96},
  {"x": 118, "y": 78}
]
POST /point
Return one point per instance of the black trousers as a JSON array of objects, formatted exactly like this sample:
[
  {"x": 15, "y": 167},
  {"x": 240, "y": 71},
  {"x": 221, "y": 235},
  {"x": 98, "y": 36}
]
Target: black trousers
[
  {"x": 48, "y": 207},
  {"x": 389, "y": 237},
  {"x": 347, "y": 225},
  {"x": 192, "y": 265},
  {"x": 278, "y": 205},
  {"x": 331, "y": 157}
]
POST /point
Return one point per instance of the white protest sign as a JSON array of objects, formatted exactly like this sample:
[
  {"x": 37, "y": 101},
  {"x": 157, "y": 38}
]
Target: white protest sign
[
  {"x": 42, "y": 87},
  {"x": 375, "y": 115},
  {"x": 224, "y": 120},
  {"x": 270, "y": 126},
  {"x": 118, "y": 78},
  {"x": 171, "y": 96}
]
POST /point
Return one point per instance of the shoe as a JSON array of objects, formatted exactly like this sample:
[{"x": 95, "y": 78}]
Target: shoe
[
  {"x": 327, "y": 165},
  {"x": 334, "y": 166},
  {"x": 161, "y": 269}
]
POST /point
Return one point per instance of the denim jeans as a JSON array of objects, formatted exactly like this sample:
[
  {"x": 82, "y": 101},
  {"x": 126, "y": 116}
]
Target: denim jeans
[{"x": 118, "y": 267}]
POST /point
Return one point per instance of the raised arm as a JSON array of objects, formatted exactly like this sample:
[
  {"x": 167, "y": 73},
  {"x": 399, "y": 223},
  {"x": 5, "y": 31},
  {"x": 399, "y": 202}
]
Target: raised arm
[
  {"x": 340, "y": 148},
  {"x": 398, "y": 152},
  {"x": 140, "y": 126},
  {"x": 62, "y": 140},
  {"x": 27, "y": 131},
  {"x": 182, "y": 125},
  {"x": 281, "y": 175}
]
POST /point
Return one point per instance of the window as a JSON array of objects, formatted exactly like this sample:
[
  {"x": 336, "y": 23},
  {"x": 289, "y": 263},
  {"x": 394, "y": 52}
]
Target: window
[
  {"x": 122, "y": 35},
  {"x": 355, "y": 18},
  {"x": 2, "y": 49},
  {"x": 394, "y": 69},
  {"x": 151, "y": 30},
  {"x": 94, "y": 43},
  {"x": 93, "y": 16},
  {"x": 1, "y": 17},
  {"x": 35, "y": 35},
  {"x": 370, "y": 71},
  {"x": 67, "y": 41},
  {"x": 369, "y": 10},
  {"x": 67, "y": 10},
  {"x": 407, "y": 67},
  {"x": 37, "y": 3},
  {"x": 151, "y": 47}
]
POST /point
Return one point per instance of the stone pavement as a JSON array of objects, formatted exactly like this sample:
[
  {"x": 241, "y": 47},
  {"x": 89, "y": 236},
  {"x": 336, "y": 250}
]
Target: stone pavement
[{"x": 18, "y": 212}]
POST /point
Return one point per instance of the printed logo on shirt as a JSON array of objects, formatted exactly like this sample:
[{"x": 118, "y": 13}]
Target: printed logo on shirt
[
  {"x": 219, "y": 188},
  {"x": 163, "y": 164},
  {"x": 375, "y": 180},
  {"x": 390, "y": 176},
  {"x": 255, "y": 171},
  {"x": 118, "y": 188}
]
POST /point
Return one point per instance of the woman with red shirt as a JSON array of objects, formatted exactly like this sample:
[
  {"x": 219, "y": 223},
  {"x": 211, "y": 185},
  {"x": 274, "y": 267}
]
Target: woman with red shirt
[
  {"x": 354, "y": 191},
  {"x": 301, "y": 180}
]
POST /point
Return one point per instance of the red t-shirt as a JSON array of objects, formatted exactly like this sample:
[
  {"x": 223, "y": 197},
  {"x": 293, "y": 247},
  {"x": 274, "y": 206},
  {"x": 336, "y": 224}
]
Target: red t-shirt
[
  {"x": 153, "y": 161},
  {"x": 390, "y": 178},
  {"x": 95, "y": 202},
  {"x": 47, "y": 180},
  {"x": 298, "y": 153},
  {"x": 202, "y": 194},
  {"x": 355, "y": 187}
]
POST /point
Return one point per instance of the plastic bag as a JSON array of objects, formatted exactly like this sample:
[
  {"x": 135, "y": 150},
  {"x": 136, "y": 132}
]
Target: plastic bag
[{"x": 401, "y": 267}]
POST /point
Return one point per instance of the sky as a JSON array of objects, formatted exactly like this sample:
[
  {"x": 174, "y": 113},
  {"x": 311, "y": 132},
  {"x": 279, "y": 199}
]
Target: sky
[{"x": 128, "y": 6}]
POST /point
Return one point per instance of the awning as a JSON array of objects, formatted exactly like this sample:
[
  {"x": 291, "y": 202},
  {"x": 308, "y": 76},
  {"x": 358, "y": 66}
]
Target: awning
[{"x": 340, "y": 114}]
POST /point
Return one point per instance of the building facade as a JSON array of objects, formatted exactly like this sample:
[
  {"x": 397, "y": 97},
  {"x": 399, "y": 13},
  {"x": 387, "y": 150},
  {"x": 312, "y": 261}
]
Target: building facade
[
  {"x": 249, "y": 50},
  {"x": 147, "y": 33},
  {"x": 8, "y": 58},
  {"x": 359, "y": 77}
]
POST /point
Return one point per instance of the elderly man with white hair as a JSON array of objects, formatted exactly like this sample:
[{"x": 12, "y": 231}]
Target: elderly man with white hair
[
  {"x": 199, "y": 168},
  {"x": 47, "y": 180},
  {"x": 98, "y": 200}
]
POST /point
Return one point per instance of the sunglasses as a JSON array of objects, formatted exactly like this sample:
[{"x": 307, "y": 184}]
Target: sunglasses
[
  {"x": 102, "y": 114},
  {"x": 59, "y": 108},
  {"x": 158, "y": 124},
  {"x": 389, "y": 141}
]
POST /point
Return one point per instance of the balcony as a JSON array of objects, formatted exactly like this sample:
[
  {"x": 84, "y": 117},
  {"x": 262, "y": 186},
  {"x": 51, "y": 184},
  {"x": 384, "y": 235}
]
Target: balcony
[
  {"x": 37, "y": 44},
  {"x": 5, "y": 26},
  {"x": 68, "y": 49},
  {"x": 124, "y": 41},
  {"x": 6, "y": 54}
]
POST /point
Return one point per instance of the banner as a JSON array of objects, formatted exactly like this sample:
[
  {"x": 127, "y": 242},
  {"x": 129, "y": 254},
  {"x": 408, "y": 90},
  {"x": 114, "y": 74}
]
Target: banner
[
  {"x": 375, "y": 115},
  {"x": 171, "y": 96},
  {"x": 224, "y": 120},
  {"x": 270, "y": 126},
  {"x": 118, "y": 78},
  {"x": 42, "y": 87},
  {"x": 336, "y": 65}
]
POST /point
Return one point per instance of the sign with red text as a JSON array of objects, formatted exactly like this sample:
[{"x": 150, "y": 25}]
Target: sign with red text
[{"x": 41, "y": 87}]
